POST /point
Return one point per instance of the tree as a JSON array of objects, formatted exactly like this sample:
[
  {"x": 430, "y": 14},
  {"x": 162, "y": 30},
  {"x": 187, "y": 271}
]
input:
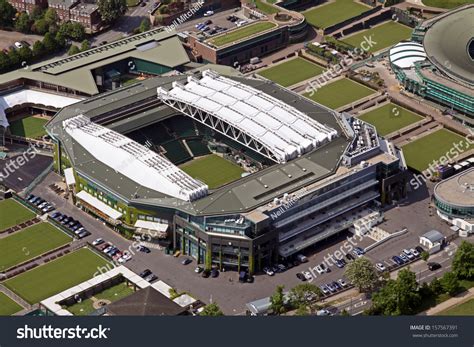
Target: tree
[
  {"x": 463, "y": 262},
  {"x": 23, "y": 23},
  {"x": 212, "y": 310},
  {"x": 14, "y": 57},
  {"x": 38, "y": 49},
  {"x": 7, "y": 14},
  {"x": 51, "y": 16},
  {"x": 299, "y": 295},
  {"x": 40, "y": 26},
  {"x": 436, "y": 287},
  {"x": 425, "y": 255},
  {"x": 164, "y": 9},
  {"x": 36, "y": 13},
  {"x": 73, "y": 50},
  {"x": 76, "y": 31},
  {"x": 450, "y": 283},
  {"x": 277, "y": 301},
  {"x": 362, "y": 274},
  {"x": 25, "y": 54},
  {"x": 110, "y": 10},
  {"x": 85, "y": 45},
  {"x": 397, "y": 297},
  {"x": 145, "y": 25},
  {"x": 5, "y": 62},
  {"x": 60, "y": 39},
  {"x": 302, "y": 310},
  {"x": 50, "y": 43}
]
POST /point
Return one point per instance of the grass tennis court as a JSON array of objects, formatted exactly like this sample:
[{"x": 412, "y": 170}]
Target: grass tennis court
[
  {"x": 389, "y": 118},
  {"x": 382, "y": 36},
  {"x": 292, "y": 71},
  {"x": 8, "y": 306},
  {"x": 13, "y": 213},
  {"x": 29, "y": 243},
  {"x": 212, "y": 170},
  {"x": 31, "y": 127},
  {"x": 112, "y": 294},
  {"x": 446, "y": 3},
  {"x": 331, "y": 13},
  {"x": 464, "y": 309},
  {"x": 340, "y": 93},
  {"x": 54, "y": 277},
  {"x": 420, "y": 153},
  {"x": 241, "y": 33}
]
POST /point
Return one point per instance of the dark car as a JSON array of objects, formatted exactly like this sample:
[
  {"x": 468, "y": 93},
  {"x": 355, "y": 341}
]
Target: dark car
[
  {"x": 434, "y": 266},
  {"x": 349, "y": 256},
  {"x": 301, "y": 276},
  {"x": 398, "y": 260},
  {"x": 206, "y": 273},
  {"x": 143, "y": 4},
  {"x": 419, "y": 249},
  {"x": 55, "y": 215},
  {"x": 214, "y": 273},
  {"x": 144, "y": 249},
  {"x": 186, "y": 261},
  {"x": 76, "y": 226},
  {"x": 83, "y": 234},
  {"x": 66, "y": 220},
  {"x": 145, "y": 273},
  {"x": 243, "y": 277},
  {"x": 208, "y": 22}
]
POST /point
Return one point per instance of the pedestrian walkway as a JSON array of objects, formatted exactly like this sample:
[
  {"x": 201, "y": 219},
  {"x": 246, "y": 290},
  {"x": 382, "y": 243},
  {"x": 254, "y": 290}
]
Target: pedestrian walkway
[
  {"x": 458, "y": 299},
  {"x": 14, "y": 297}
]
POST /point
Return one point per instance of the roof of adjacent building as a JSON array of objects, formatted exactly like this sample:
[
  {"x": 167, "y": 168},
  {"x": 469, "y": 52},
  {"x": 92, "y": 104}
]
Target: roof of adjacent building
[
  {"x": 145, "y": 302},
  {"x": 433, "y": 235},
  {"x": 446, "y": 43},
  {"x": 75, "y": 72},
  {"x": 405, "y": 54},
  {"x": 242, "y": 195},
  {"x": 457, "y": 190}
]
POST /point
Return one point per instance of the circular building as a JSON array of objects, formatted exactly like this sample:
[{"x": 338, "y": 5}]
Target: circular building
[
  {"x": 449, "y": 44},
  {"x": 454, "y": 199}
]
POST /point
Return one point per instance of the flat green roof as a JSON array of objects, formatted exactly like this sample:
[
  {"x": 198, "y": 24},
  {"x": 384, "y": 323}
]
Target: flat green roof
[{"x": 157, "y": 46}]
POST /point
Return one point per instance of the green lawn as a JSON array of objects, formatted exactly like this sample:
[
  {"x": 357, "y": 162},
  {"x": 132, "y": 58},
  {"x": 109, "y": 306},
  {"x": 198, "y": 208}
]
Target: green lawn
[
  {"x": 56, "y": 276},
  {"x": 464, "y": 309},
  {"x": 390, "y": 118},
  {"x": 446, "y": 3},
  {"x": 112, "y": 294},
  {"x": 8, "y": 306},
  {"x": 340, "y": 93},
  {"x": 212, "y": 170},
  {"x": 266, "y": 8},
  {"x": 132, "y": 3},
  {"x": 326, "y": 15},
  {"x": 30, "y": 127},
  {"x": 241, "y": 33},
  {"x": 13, "y": 213},
  {"x": 420, "y": 153},
  {"x": 292, "y": 71},
  {"x": 29, "y": 243},
  {"x": 382, "y": 36}
]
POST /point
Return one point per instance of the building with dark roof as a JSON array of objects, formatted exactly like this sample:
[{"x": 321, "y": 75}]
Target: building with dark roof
[{"x": 285, "y": 204}]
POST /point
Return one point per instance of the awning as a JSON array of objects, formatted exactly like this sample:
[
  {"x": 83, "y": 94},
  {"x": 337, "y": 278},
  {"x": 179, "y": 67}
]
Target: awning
[
  {"x": 160, "y": 227},
  {"x": 69, "y": 175},
  {"x": 96, "y": 203}
]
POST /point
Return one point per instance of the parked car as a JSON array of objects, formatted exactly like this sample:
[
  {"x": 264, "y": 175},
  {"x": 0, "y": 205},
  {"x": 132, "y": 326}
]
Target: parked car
[
  {"x": 208, "y": 13},
  {"x": 342, "y": 282},
  {"x": 186, "y": 261},
  {"x": 97, "y": 242},
  {"x": 198, "y": 269},
  {"x": 268, "y": 271},
  {"x": 281, "y": 267},
  {"x": 301, "y": 258},
  {"x": 319, "y": 270},
  {"x": 207, "y": 22},
  {"x": 242, "y": 277},
  {"x": 206, "y": 273},
  {"x": 18, "y": 45},
  {"x": 419, "y": 249},
  {"x": 145, "y": 273},
  {"x": 404, "y": 257},
  {"x": 380, "y": 267},
  {"x": 307, "y": 275},
  {"x": 339, "y": 264},
  {"x": 323, "y": 312},
  {"x": 434, "y": 266},
  {"x": 150, "y": 278},
  {"x": 55, "y": 215},
  {"x": 300, "y": 276},
  {"x": 124, "y": 258},
  {"x": 83, "y": 234},
  {"x": 414, "y": 252},
  {"x": 397, "y": 260},
  {"x": 324, "y": 289},
  {"x": 331, "y": 287},
  {"x": 408, "y": 254},
  {"x": 349, "y": 256},
  {"x": 144, "y": 249},
  {"x": 214, "y": 273}
]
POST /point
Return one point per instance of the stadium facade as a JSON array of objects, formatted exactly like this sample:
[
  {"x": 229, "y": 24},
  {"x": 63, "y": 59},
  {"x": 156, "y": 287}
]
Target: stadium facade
[
  {"x": 446, "y": 76},
  {"x": 314, "y": 171}
]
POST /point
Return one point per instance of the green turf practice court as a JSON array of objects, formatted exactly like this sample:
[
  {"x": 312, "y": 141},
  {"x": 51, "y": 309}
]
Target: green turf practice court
[
  {"x": 389, "y": 118},
  {"x": 212, "y": 170},
  {"x": 382, "y": 36},
  {"x": 420, "y": 154},
  {"x": 446, "y": 3},
  {"x": 30, "y": 243},
  {"x": 8, "y": 306},
  {"x": 334, "y": 12},
  {"x": 56, "y": 276},
  {"x": 464, "y": 309},
  {"x": 110, "y": 295},
  {"x": 13, "y": 213},
  {"x": 245, "y": 31},
  {"x": 292, "y": 71},
  {"x": 30, "y": 127},
  {"x": 340, "y": 93}
]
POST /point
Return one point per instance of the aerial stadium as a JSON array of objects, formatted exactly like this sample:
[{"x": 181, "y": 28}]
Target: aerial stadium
[
  {"x": 439, "y": 64},
  {"x": 233, "y": 171}
]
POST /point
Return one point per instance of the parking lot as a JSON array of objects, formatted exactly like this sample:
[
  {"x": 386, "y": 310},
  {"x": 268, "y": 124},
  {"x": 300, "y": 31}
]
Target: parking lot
[{"x": 8, "y": 38}]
